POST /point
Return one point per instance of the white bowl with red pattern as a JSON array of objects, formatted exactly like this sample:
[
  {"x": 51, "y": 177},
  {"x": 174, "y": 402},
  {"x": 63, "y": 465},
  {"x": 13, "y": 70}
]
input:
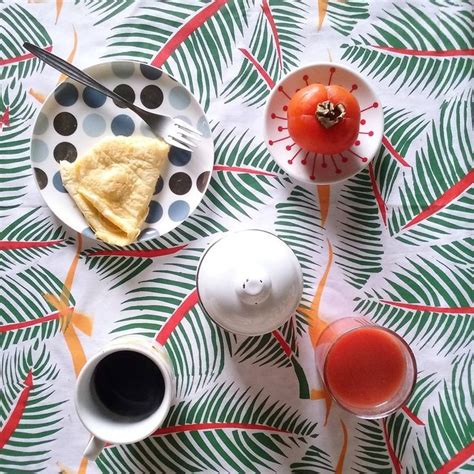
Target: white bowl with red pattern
[{"x": 316, "y": 168}]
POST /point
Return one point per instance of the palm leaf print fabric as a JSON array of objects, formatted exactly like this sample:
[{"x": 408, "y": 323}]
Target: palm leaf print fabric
[{"x": 394, "y": 243}]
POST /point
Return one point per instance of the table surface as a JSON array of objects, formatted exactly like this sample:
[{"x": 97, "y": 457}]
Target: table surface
[{"x": 394, "y": 243}]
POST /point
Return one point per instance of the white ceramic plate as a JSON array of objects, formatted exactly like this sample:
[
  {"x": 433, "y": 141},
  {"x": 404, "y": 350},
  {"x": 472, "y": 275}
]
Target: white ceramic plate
[
  {"x": 74, "y": 118},
  {"x": 316, "y": 168}
]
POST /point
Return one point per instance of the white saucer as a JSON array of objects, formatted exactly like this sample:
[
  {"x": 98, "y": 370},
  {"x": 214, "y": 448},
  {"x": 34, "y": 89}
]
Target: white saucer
[{"x": 316, "y": 168}]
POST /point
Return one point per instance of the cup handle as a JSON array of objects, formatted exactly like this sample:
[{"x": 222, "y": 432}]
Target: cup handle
[{"x": 93, "y": 448}]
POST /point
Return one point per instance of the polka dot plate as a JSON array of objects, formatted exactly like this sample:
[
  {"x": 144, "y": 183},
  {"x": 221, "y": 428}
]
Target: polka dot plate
[
  {"x": 315, "y": 168},
  {"x": 74, "y": 118}
]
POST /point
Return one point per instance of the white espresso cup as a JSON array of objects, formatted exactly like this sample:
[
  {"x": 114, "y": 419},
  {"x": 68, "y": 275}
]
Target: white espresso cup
[{"x": 117, "y": 409}]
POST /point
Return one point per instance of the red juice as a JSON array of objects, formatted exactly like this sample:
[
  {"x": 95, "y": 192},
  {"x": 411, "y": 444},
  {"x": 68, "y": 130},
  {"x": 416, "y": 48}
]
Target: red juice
[{"x": 365, "y": 367}]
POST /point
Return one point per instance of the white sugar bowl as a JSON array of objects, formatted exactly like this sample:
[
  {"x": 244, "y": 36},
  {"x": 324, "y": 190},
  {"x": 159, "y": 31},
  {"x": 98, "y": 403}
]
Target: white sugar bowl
[{"x": 249, "y": 282}]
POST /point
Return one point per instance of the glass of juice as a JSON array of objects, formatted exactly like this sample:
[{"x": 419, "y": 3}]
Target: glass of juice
[{"x": 369, "y": 370}]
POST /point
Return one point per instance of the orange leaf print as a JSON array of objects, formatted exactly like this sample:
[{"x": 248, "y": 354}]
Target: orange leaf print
[
  {"x": 322, "y": 10},
  {"x": 59, "y": 7},
  {"x": 70, "y": 58},
  {"x": 37, "y": 95},
  {"x": 323, "y": 394},
  {"x": 70, "y": 319},
  {"x": 316, "y": 324},
  {"x": 83, "y": 466},
  {"x": 324, "y": 191},
  {"x": 342, "y": 455}
]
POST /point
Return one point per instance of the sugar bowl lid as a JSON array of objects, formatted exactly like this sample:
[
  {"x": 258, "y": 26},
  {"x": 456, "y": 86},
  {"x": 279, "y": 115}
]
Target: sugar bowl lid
[{"x": 249, "y": 282}]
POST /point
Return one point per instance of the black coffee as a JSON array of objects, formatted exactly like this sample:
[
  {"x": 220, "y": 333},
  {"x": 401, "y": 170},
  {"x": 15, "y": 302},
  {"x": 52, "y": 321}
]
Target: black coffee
[{"x": 129, "y": 384}]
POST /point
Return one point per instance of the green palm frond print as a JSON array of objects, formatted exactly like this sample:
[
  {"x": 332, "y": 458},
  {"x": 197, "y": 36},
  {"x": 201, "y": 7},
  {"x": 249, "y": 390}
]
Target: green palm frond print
[
  {"x": 402, "y": 130},
  {"x": 19, "y": 25},
  {"x": 165, "y": 308},
  {"x": 412, "y": 50},
  {"x": 344, "y": 16},
  {"x": 250, "y": 431},
  {"x": 460, "y": 252},
  {"x": 383, "y": 443},
  {"x": 298, "y": 224},
  {"x": 427, "y": 301},
  {"x": 14, "y": 145},
  {"x": 274, "y": 49},
  {"x": 244, "y": 178},
  {"x": 30, "y": 237},
  {"x": 26, "y": 315},
  {"x": 105, "y": 10},
  {"x": 267, "y": 349},
  {"x": 421, "y": 217},
  {"x": 30, "y": 420},
  {"x": 214, "y": 29},
  {"x": 120, "y": 266},
  {"x": 314, "y": 460},
  {"x": 359, "y": 249},
  {"x": 447, "y": 445},
  {"x": 393, "y": 244}
]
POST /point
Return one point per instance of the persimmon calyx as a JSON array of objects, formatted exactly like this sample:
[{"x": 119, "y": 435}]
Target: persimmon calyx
[{"x": 329, "y": 114}]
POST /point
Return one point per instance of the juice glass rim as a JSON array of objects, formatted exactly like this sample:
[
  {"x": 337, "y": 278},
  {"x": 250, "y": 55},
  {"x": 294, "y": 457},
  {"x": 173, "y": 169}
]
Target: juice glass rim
[{"x": 404, "y": 344}]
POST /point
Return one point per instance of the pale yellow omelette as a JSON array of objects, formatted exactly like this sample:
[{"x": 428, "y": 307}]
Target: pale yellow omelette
[{"x": 113, "y": 183}]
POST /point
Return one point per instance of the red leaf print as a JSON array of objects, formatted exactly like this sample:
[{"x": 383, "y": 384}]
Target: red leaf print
[
  {"x": 214, "y": 426},
  {"x": 15, "y": 416},
  {"x": 16, "y": 244},
  {"x": 432, "y": 309},
  {"x": 447, "y": 197},
  {"x": 186, "y": 30},
  {"x": 188, "y": 303},
  {"x": 393, "y": 457},
  {"x": 238, "y": 169},
  {"x": 378, "y": 196},
  {"x": 23, "y": 57},
  {"x": 271, "y": 22},
  {"x": 458, "y": 460},
  {"x": 258, "y": 67},
  {"x": 394, "y": 152},
  {"x": 137, "y": 253}
]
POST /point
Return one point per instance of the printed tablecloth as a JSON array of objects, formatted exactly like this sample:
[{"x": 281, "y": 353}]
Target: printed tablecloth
[{"x": 393, "y": 243}]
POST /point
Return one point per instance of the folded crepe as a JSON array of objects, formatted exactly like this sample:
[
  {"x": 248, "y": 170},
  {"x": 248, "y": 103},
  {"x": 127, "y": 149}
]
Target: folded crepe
[{"x": 113, "y": 185}]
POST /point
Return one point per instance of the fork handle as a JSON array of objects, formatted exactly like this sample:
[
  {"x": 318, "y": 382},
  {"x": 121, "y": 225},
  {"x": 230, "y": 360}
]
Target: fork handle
[{"x": 78, "y": 75}]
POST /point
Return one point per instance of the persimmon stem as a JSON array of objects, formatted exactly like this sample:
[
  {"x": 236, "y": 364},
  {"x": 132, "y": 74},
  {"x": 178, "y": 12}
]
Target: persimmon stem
[{"x": 329, "y": 114}]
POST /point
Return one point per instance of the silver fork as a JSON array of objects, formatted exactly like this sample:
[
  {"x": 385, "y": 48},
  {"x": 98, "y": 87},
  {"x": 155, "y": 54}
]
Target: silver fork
[{"x": 175, "y": 132}]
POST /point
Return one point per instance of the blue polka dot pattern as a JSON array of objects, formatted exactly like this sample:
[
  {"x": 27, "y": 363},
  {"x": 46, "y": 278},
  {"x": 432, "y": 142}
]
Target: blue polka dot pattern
[
  {"x": 150, "y": 72},
  {"x": 66, "y": 94},
  {"x": 149, "y": 233},
  {"x": 178, "y": 211},
  {"x": 41, "y": 178},
  {"x": 184, "y": 118},
  {"x": 94, "y": 125},
  {"x": 122, "y": 125},
  {"x": 93, "y": 98},
  {"x": 123, "y": 69},
  {"x": 58, "y": 183},
  {"x": 75, "y": 118},
  {"x": 39, "y": 150},
  {"x": 42, "y": 124},
  {"x": 179, "y": 98},
  {"x": 155, "y": 212},
  {"x": 159, "y": 185},
  {"x": 178, "y": 156},
  {"x": 203, "y": 127}
]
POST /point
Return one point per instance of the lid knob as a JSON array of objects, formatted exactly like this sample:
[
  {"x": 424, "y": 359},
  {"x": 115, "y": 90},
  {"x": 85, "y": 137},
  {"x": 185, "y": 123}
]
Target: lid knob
[{"x": 253, "y": 285}]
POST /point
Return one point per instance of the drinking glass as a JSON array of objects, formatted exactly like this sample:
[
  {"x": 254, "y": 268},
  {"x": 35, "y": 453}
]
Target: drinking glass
[{"x": 368, "y": 369}]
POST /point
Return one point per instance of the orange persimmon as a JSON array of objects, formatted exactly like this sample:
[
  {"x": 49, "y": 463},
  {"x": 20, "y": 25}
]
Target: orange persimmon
[{"x": 324, "y": 119}]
